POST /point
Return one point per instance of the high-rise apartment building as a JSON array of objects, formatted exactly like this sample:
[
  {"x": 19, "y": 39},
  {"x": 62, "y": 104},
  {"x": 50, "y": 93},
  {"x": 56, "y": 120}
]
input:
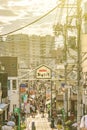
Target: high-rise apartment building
[
  {"x": 18, "y": 45},
  {"x": 3, "y": 49},
  {"x": 30, "y": 50},
  {"x": 40, "y": 48},
  {"x": 46, "y": 46},
  {"x": 34, "y": 50}
]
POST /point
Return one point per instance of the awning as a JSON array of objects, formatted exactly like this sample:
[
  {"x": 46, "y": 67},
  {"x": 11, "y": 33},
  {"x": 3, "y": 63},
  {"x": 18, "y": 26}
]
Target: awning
[
  {"x": 3, "y": 106},
  {"x": 1, "y": 111},
  {"x": 48, "y": 102}
]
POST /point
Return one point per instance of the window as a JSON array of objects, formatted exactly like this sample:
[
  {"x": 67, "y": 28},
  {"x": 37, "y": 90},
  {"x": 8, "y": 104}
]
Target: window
[
  {"x": 14, "y": 106},
  {"x": 14, "y": 84},
  {"x": 8, "y": 84}
]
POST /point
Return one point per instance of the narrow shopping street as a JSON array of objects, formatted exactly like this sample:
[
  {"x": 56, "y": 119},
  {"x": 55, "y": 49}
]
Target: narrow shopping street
[
  {"x": 43, "y": 64},
  {"x": 40, "y": 123}
]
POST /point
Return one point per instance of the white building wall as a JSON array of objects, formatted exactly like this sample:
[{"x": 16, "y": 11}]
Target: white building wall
[
  {"x": 13, "y": 95},
  {"x": 84, "y": 21},
  {"x": 84, "y": 52}
]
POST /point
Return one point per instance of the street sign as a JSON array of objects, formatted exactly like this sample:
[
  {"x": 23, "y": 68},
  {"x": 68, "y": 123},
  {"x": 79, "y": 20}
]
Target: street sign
[
  {"x": 23, "y": 87},
  {"x": 43, "y": 72},
  {"x": 63, "y": 113},
  {"x": 17, "y": 110}
]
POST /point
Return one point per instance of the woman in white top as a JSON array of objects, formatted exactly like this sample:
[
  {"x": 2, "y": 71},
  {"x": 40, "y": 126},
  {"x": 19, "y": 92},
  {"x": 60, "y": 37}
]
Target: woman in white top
[
  {"x": 83, "y": 123},
  {"x": 6, "y": 127}
]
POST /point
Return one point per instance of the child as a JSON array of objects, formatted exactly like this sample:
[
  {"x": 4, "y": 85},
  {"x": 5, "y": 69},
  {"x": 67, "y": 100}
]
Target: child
[{"x": 59, "y": 124}]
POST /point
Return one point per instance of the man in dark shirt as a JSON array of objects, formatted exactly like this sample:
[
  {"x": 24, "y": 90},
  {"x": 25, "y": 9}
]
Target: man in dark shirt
[{"x": 16, "y": 119}]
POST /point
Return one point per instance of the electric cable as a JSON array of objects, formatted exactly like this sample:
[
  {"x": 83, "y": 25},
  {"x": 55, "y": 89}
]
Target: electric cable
[{"x": 35, "y": 21}]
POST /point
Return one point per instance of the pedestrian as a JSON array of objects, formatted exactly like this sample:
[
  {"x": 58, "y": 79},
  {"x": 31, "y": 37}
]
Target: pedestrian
[
  {"x": 12, "y": 117},
  {"x": 6, "y": 127},
  {"x": 27, "y": 107},
  {"x": 59, "y": 124},
  {"x": 32, "y": 110},
  {"x": 83, "y": 123},
  {"x": 33, "y": 126},
  {"x": 42, "y": 111},
  {"x": 16, "y": 119},
  {"x": 72, "y": 116},
  {"x": 52, "y": 122},
  {"x": 48, "y": 114},
  {"x": 9, "y": 116},
  {"x": 29, "y": 125}
]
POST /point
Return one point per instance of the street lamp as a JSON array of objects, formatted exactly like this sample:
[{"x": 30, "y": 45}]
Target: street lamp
[
  {"x": 51, "y": 103},
  {"x": 0, "y": 93},
  {"x": 79, "y": 98},
  {"x": 1, "y": 111}
]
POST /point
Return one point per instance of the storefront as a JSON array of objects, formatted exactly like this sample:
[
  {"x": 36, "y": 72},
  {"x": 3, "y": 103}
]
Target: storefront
[
  {"x": 4, "y": 111},
  {"x": 59, "y": 102},
  {"x": 74, "y": 104},
  {"x": 1, "y": 117}
]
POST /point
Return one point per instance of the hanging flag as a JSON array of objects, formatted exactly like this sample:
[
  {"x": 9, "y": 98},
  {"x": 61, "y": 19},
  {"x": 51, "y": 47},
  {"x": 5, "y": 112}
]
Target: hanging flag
[{"x": 63, "y": 88}]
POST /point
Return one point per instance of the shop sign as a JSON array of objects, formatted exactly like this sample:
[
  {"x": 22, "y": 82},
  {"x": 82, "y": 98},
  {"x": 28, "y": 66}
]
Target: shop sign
[
  {"x": 17, "y": 110},
  {"x": 43, "y": 72}
]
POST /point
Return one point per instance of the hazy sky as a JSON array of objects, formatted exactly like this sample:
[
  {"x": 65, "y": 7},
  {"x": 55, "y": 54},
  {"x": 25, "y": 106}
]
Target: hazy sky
[{"x": 17, "y": 13}]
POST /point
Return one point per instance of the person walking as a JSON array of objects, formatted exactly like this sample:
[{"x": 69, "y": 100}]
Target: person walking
[
  {"x": 6, "y": 127},
  {"x": 83, "y": 123},
  {"x": 16, "y": 120},
  {"x": 59, "y": 124},
  {"x": 33, "y": 126}
]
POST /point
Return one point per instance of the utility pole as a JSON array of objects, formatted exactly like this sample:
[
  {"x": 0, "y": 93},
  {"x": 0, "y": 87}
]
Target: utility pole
[
  {"x": 79, "y": 87},
  {"x": 65, "y": 73},
  {"x": 77, "y": 16},
  {"x": 65, "y": 49}
]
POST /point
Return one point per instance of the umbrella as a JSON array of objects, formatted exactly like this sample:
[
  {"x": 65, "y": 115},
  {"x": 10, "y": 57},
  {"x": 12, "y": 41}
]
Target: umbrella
[
  {"x": 11, "y": 123},
  {"x": 33, "y": 96},
  {"x": 75, "y": 124},
  {"x": 68, "y": 122}
]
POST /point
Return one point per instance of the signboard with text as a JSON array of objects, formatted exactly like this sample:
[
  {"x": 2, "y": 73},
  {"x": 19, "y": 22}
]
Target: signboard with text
[
  {"x": 17, "y": 110},
  {"x": 23, "y": 88},
  {"x": 43, "y": 72}
]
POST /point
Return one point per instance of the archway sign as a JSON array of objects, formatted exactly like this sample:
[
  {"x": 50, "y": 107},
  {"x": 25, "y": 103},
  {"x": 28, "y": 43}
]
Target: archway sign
[{"x": 43, "y": 72}]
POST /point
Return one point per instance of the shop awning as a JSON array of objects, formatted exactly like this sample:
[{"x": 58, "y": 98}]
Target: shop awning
[
  {"x": 48, "y": 102},
  {"x": 1, "y": 111},
  {"x": 3, "y": 106}
]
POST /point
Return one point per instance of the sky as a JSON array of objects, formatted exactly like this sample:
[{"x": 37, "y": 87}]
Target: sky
[{"x": 17, "y": 13}]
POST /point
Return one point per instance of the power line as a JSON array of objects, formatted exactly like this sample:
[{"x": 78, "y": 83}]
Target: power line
[{"x": 31, "y": 22}]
